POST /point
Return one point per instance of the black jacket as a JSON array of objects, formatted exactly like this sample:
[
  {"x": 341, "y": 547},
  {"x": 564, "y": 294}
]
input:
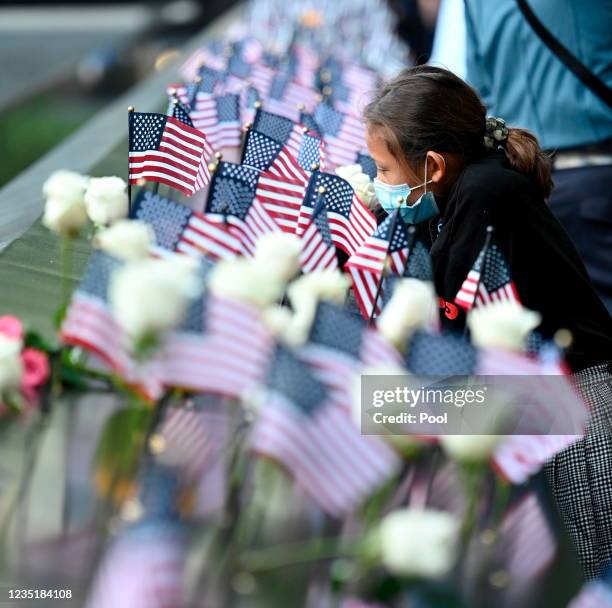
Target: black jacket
[{"x": 547, "y": 270}]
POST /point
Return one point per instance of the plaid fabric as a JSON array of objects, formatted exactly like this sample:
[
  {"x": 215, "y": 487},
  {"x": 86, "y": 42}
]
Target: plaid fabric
[{"x": 581, "y": 475}]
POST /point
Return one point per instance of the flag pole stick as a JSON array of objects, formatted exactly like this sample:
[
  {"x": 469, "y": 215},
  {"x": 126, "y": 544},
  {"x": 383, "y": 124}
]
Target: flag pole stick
[
  {"x": 485, "y": 249},
  {"x": 247, "y": 130},
  {"x": 129, "y": 188},
  {"x": 379, "y": 286}
]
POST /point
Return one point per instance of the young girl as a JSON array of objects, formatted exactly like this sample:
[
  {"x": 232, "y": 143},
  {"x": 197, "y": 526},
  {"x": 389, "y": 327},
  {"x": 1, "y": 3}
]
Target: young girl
[{"x": 458, "y": 172}]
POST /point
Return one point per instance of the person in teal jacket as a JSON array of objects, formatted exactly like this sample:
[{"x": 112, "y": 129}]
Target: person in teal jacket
[{"x": 524, "y": 82}]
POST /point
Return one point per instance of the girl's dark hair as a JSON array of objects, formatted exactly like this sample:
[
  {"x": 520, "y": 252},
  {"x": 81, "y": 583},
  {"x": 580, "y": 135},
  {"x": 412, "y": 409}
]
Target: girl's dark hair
[{"x": 429, "y": 108}]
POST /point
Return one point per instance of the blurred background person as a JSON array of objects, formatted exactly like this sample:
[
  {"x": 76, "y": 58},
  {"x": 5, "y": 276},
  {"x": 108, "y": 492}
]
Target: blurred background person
[{"x": 546, "y": 66}]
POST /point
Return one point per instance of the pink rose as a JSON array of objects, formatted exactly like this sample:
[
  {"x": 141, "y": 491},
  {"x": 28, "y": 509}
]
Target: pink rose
[
  {"x": 11, "y": 327},
  {"x": 35, "y": 368}
]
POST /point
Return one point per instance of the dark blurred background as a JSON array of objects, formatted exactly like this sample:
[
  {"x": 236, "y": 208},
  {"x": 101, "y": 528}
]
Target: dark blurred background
[{"x": 62, "y": 62}]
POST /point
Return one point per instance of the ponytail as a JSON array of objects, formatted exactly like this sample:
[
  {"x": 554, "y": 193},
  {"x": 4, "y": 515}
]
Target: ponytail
[
  {"x": 526, "y": 156},
  {"x": 429, "y": 108}
]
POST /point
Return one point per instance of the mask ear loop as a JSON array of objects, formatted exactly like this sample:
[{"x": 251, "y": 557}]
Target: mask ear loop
[{"x": 426, "y": 181}]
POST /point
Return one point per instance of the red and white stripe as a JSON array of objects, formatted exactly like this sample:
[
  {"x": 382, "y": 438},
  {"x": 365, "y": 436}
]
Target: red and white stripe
[
  {"x": 229, "y": 358},
  {"x": 342, "y": 148},
  {"x": 193, "y": 438},
  {"x": 203, "y": 56},
  {"x": 519, "y": 457},
  {"x": 529, "y": 545},
  {"x": 325, "y": 453},
  {"x": 209, "y": 234},
  {"x": 467, "y": 297},
  {"x": 204, "y": 116},
  {"x": 181, "y": 161},
  {"x": 347, "y": 233},
  {"x": 366, "y": 266},
  {"x": 316, "y": 254},
  {"x": 89, "y": 323},
  {"x": 256, "y": 224},
  {"x": 281, "y": 197}
]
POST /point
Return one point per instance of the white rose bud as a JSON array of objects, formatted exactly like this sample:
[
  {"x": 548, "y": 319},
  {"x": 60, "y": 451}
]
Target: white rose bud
[
  {"x": 152, "y": 296},
  {"x": 360, "y": 182},
  {"x": 246, "y": 280},
  {"x": 66, "y": 185},
  {"x": 285, "y": 326},
  {"x": 64, "y": 216},
  {"x": 280, "y": 252},
  {"x": 502, "y": 325},
  {"x": 470, "y": 448},
  {"x": 126, "y": 239},
  {"x": 419, "y": 543},
  {"x": 347, "y": 171},
  {"x": 106, "y": 199},
  {"x": 305, "y": 293},
  {"x": 11, "y": 367},
  {"x": 412, "y": 306}
]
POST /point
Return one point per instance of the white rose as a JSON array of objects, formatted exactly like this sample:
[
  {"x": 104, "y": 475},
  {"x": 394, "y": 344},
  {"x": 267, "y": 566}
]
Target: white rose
[
  {"x": 246, "y": 280},
  {"x": 106, "y": 199},
  {"x": 11, "y": 367},
  {"x": 360, "y": 182},
  {"x": 304, "y": 293},
  {"x": 502, "y": 325},
  {"x": 280, "y": 252},
  {"x": 66, "y": 185},
  {"x": 64, "y": 216},
  {"x": 285, "y": 326},
  {"x": 347, "y": 171},
  {"x": 412, "y": 306},
  {"x": 420, "y": 543},
  {"x": 470, "y": 448},
  {"x": 126, "y": 239},
  {"x": 152, "y": 295}
]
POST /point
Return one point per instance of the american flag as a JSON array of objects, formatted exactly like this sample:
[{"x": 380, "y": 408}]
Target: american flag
[
  {"x": 259, "y": 75},
  {"x": 163, "y": 149},
  {"x": 339, "y": 344},
  {"x": 281, "y": 186},
  {"x": 494, "y": 283},
  {"x": 310, "y": 435},
  {"x": 379, "y": 251},
  {"x": 285, "y": 97},
  {"x": 218, "y": 117},
  {"x": 350, "y": 221},
  {"x": 177, "y": 109},
  {"x": 318, "y": 249},
  {"x": 232, "y": 194},
  {"x": 282, "y": 130},
  {"x": 249, "y": 100},
  {"x": 307, "y": 119},
  {"x": 443, "y": 355},
  {"x": 90, "y": 324},
  {"x": 222, "y": 348},
  {"x": 177, "y": 228},
  {"x": 194, "y": 435},
  {"x": 265, "y": 154},
  {"x": 211, "y": 55},
  {"x": 552, "y": 398},
  {"x": 311, "y": 152},
  {"x": 343, "y": 135},
  {"x": 528, "y": 543}
]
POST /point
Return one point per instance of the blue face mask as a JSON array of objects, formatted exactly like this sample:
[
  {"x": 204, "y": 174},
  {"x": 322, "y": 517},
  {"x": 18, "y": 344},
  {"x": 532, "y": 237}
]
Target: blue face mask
[{"x": 391, "y": 197}]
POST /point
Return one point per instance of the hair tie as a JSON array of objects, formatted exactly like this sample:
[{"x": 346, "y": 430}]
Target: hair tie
[{"x": 496, "y": 132}]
